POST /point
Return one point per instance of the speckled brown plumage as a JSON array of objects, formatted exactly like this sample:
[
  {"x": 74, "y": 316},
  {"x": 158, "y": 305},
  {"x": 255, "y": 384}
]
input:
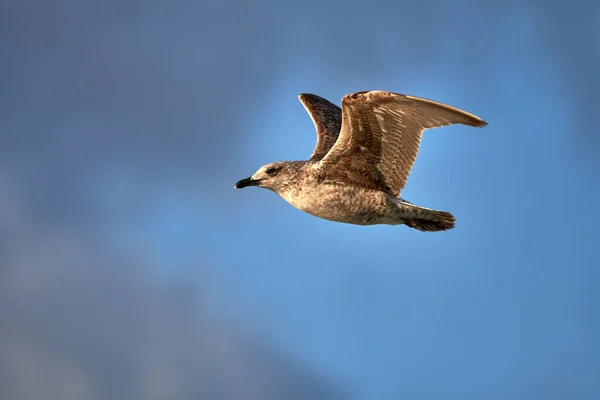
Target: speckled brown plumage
[
  {"x": 327, "y": 118},
  {"x": 362, "y": 159}
]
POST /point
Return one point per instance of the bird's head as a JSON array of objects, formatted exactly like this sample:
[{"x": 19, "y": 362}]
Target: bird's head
[{"x": 274, "y": 176}]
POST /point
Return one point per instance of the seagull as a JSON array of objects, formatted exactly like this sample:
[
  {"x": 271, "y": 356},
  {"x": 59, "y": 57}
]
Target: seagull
[{"x": 361, "y": 162}]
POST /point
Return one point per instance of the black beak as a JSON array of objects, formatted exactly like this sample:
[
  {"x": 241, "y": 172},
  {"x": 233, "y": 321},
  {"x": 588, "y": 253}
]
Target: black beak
[{"x": 246, "y": 182}]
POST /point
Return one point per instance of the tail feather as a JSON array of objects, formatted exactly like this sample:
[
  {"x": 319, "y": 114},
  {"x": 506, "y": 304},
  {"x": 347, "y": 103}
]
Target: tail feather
[
  {"x": 426, "y": 219},
  {"x": 445, "y": 222}
]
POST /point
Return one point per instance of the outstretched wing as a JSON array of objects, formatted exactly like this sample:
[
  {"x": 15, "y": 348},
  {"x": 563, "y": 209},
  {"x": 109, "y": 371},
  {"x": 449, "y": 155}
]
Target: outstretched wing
[
  {"x": 327, "y": 118},
  {"x": 380, "y": 137}
]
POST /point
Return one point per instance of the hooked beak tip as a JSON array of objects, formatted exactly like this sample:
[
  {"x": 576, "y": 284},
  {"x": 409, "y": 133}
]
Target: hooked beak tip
[{"x": 246, "y": 182}]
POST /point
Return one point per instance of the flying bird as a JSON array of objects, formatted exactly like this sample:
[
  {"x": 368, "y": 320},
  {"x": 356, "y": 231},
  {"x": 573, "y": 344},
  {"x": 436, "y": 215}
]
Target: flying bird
[{"x": 361, "y": 162}]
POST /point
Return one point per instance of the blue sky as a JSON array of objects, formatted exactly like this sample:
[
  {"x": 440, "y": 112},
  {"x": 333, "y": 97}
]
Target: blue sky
[{"x": 128, "y": 134}]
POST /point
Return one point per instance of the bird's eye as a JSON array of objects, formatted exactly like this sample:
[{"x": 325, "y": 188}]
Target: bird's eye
[{"x": 271, "y": 171}]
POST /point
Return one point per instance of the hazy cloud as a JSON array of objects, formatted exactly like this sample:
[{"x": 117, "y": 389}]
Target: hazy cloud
[{"x": 81, "y": 321}]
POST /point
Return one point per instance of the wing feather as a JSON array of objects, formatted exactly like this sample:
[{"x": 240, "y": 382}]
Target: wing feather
[
  {"x": 327, "y": 118},
  {"x": 380, "y": 137}
]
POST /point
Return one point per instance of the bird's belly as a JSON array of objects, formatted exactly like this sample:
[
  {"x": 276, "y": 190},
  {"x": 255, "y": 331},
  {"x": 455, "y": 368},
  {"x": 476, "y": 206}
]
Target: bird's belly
[{"x": 343, "y": 204}]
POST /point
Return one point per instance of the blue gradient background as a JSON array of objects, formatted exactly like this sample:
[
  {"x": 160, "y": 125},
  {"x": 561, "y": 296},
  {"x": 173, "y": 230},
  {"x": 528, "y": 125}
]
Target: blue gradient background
[{"x": 131, "y": 269}]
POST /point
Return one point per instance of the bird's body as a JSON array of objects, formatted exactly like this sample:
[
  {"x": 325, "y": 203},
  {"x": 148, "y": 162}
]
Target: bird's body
[
  {"x": 338, "y": 202},
  {"x": 363, "y": 156}
]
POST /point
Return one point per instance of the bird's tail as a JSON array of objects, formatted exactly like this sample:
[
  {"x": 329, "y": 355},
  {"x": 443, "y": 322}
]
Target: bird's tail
[{"x": 426, "y": 219}]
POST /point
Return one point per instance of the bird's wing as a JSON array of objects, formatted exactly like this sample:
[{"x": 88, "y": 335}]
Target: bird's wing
[
  {"x": 380, "y": 137},
  {"x": 327, "y": 118}
]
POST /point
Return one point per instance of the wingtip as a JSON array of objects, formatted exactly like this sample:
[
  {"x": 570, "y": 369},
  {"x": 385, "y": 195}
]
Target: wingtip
[
  {"x": 309, "y": 98},
  {"x": 308, "y": 95}
]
